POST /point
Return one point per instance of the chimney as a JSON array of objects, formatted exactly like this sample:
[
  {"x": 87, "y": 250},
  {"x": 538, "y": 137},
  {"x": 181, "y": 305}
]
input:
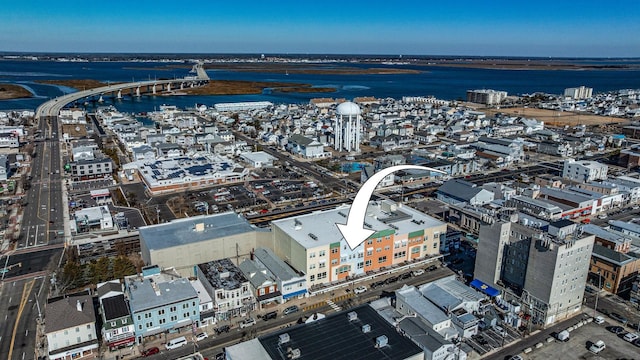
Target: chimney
[{"x": 78, "y": 305}]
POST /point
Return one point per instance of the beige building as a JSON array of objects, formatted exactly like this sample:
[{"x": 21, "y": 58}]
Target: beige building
[
  {"x": 184, "y": 243},
  {"x": 313, "y": 244}
]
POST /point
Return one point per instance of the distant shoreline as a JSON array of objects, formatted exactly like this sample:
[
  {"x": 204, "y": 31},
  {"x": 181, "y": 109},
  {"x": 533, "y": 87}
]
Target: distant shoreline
[{"x": 214, "y": 87}]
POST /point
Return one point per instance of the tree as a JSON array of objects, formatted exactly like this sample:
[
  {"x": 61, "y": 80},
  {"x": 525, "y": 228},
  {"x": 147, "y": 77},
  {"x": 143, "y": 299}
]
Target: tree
[{"x": 123, "y": 266}]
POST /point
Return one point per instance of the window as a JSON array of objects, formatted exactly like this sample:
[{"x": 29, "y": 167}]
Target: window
[
  {"x": 387, "y": 247},
  {"x": 379, "y": 250},
  {"x": 335, "y": 250},
  {"x": 77, "y": 329},
  {"x": 382, "y": 259},
  {"x": 322, "y": 275},
  {"x": 367, "y": 263},
  {"x": 370, "y": 252},
  {"x": 172, "y": 309},
  {"x": 312, "y": 255},
  {"x": 113, "y": 323},
  {"x": 415, "y": 249},
  {"x": 400, "y": 254},
  {"x": 360, "y": 265},
  {"x": 370, "y": 242},
  {"x": 312, "y": 266},
  {"x": 379, "y": 240},
  {"x": 322, "y": 253},
  {"x": 334, "y": 261},
  {"x": 435, "y": 245},
  {"x": 322, "y": 265},
  {"x": 161, "y": 312},
  {"x": 312, "y": 278}
]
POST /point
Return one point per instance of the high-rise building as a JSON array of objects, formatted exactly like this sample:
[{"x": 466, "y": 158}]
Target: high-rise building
[
  {"x": 545, "y": 270},
  {"x": 578, "y": 93},
  {"x": 347, "y": 130}
]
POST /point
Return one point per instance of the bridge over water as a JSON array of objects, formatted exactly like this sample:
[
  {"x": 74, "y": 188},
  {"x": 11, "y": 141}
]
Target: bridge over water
[{"x": 53, "y": 106}]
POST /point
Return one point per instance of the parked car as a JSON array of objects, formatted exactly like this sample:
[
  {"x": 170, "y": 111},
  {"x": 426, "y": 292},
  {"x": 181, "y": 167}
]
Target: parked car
[
  {"x": 150, "y": 351},
  {"x": 597, "y": 347},
  {"x": 616, "y": 330},
  {"x": 598, "y": 320},
  {"x": 290, "y": 310},
  {"x": 432, "y": 268},
  {"x": 618, "y": 317},
  {"x": 516, "y": 357},
  {"x": 223, "y": 328},
  {"x": 359, "y": 290},
  {"x": 201, "y": 336},
  {"x": 270, "y": 315},
  {"x": 631, "y": 337},
  {"x": 418, "y": 272},
  {"x": 247, "y": 322}
]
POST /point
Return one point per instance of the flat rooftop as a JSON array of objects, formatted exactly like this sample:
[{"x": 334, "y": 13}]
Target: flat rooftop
[
  {"x": 337, "y": 338},
  {"x": 156, "y": 290},
  {"x": 223, "y": 274},
  {"x": 319, "y": 228},
  {"x": 194, "y": 229}
]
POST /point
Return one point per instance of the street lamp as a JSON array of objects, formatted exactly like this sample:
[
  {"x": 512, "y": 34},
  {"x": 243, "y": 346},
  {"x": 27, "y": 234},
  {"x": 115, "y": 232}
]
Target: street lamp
[{"x": 595, "y": 306}]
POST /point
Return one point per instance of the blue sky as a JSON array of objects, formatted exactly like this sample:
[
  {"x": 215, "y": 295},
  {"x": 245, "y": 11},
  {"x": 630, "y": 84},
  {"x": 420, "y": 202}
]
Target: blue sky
[{"x": 493, "y": 27}]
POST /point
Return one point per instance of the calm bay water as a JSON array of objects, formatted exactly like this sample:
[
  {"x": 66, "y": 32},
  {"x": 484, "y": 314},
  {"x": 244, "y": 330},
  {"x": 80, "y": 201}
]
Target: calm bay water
[{"x": 441, "y": 82}]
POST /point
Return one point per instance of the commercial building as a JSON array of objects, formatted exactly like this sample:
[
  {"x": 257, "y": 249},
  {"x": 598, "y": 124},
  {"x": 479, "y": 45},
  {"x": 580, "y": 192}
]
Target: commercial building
[
  {"x": 584, "y": 171},
  {"x": 460, "y": 192},
  {"x": 546, "y": 270},
  {"x": 71, "y": 327},
  {"x": 313, "y": 244},
  {"x": 91, "y": 219},
  {"x": 184, "y": 243},
  {"x": 160, "y": 302},
  {"x": 229, "y": 288},
  {"x": 272, "y": 278},
  {"x": 613, "y": 271},
  {"x": 359, "y": 334},
  {"x": 184, "y": 173},
  {"x": 486, "y": 96}
]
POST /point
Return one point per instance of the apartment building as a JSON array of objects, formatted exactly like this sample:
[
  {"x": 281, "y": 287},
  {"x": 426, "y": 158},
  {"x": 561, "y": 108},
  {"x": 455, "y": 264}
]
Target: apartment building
[
  {"x": 313, "y": 244},
  {"x": 584, "y": 171},
  {"x": 547, "y": 270}
]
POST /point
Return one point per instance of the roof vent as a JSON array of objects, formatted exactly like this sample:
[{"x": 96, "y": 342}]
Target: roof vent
[
  {"x": 283, "y": 338},
  {"x": 366, "y": 328},
  {"x": 311, "y": 235},
  {"x": 352, "y": 316},
  {"x": 382, "y": 341}
]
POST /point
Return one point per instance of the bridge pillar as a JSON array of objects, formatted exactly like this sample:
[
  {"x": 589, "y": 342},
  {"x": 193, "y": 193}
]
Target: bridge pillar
[
  {"x": 153, "y": 89},
  {"x": 181, "y": 86},
  {"x": 138, "y": 91},
  {"x": 119, "y": 94},
  {"x": 168, "y": 86}
]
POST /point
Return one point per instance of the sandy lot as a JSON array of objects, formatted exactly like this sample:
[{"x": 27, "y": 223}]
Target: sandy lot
[{"x": 556, "y": 118}]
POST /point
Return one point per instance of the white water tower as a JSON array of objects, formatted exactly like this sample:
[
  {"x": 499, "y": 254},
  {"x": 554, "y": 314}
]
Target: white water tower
[{"x": 347, "y": 130}]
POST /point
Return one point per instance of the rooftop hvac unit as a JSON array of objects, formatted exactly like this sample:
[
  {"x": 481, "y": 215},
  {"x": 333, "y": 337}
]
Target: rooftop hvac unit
[
  {"x": 283, "y": 338},
  {"x": 352, "y": 316},
  {"x": 294, "y": 354},
  {"x": 311, "y": 235},
  {"x": 366, "y": 328},
  {"x": 382, "y": 341}
]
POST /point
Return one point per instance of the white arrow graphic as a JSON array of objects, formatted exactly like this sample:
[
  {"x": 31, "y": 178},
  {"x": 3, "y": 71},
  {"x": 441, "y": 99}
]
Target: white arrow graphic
[{"x": 353, "y": 231}]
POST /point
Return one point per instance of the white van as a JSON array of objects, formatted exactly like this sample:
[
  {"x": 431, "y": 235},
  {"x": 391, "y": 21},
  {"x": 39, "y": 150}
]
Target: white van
[{"x": 176, "y": 343}]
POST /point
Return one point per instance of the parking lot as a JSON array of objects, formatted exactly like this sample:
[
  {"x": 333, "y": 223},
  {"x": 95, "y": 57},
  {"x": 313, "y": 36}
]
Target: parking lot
[
  {"x": 577, "y": 347},
  {"x": 493, "y": 338}
]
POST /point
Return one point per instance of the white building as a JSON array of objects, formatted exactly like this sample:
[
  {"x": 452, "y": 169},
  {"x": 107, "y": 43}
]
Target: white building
[
  {"x": 71, "y": 328},
  {"x": 584, "y": 171},
  {"x": 93, "y": 218},
  {"x": 347, "y": 129},
  {"x": 486, "y": 96},
  {"x": 229, "y": 288},
  {"x": 577, "y": 93}
]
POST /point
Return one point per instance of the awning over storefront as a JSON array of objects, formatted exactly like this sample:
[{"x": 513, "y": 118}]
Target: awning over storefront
[
  {"x": 297, "y": 293},
  {"x": 477, "y": 284},
  {"x": 124, "y": 341}
]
